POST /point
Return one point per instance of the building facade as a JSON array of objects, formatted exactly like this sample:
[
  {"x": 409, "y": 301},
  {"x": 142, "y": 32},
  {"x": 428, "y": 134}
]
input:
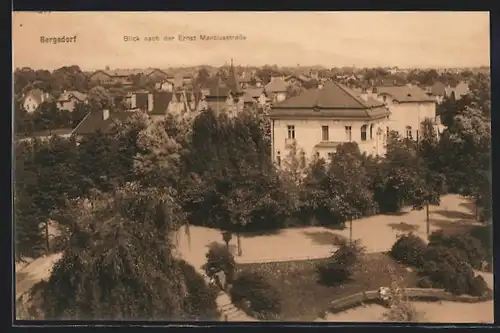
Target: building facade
[
  {"x": 409, "y": 106},
  {"x": 318, "y": 120}
]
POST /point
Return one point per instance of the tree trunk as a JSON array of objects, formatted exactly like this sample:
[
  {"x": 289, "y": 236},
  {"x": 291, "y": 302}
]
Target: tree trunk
[
  {"x": 47, "y": 245},
  {"x": 476, "y": 211},
  {"x": 427, "y": 219},
  {"x": 238, "y": 238},
  {"x": 350, "y": 230}
]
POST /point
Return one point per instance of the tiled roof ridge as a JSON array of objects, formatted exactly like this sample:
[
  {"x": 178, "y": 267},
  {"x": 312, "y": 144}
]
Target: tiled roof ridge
[{"x": 352, "y": 94}]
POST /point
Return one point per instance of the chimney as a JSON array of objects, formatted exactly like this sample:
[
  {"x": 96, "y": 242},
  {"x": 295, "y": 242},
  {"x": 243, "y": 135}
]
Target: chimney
[{"x": 105, "y": 114}]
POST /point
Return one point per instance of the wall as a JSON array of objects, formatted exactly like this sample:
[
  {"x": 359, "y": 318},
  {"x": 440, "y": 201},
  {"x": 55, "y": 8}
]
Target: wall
[
  {"x": 30, "y": 104},
  {"x": 410, "y": 114},
  {"x": 308, "y": 133}
]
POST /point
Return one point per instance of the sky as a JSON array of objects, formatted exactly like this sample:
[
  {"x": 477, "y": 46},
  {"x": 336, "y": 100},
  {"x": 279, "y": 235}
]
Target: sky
[{"x": 331, "y": 39}]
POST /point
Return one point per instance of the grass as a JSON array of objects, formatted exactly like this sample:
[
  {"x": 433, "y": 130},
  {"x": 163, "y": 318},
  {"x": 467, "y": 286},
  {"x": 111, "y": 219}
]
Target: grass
[{"x": 303, "y": 297}]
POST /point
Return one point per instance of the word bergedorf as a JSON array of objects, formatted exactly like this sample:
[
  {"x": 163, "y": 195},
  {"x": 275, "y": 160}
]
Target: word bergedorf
[{"x": 57, "y": 40}]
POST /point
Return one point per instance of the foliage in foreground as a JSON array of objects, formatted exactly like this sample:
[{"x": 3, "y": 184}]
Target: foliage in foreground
[
  {"x": 220, "y": 259},
  {"x": 400, "y": 308},
  {"x": 123, "y": 267},
  {"x": 254, "y": 294}
]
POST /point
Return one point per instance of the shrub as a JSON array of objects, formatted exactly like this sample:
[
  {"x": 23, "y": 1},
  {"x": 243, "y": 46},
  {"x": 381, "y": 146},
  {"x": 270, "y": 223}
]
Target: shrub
[
  {"x": 468, "y": 248},
  {"x": 200, "y": 302},
  {"x": 424, "y": 282},
  {"x": 262, "y": 299},
  {"x": 446, "y": 269},
  {"x": 220, "y": 259},
  {"x": 478, "y": 287},
  {"x": 409, "y": 249},
  {"x": 340, "y": 266}
]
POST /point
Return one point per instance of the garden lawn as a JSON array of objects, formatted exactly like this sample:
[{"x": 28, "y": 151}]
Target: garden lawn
[{"x": 304, "y": 298}]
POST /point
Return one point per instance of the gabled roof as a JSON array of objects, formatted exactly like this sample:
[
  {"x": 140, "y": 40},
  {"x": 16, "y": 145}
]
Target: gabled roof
[
  {"x": 333, "y": 95},
  {"x": 405, "y": 94},
  {"x": 333, "y": 100},
  {"x": 66, "y": 96},
  {"x": 36, "y": 94},
  {"x": 438, "y": 89},
  {"x": 94, "y": 122},
  {"x": 254, "y": 92},
  {"x": 276, "y": 85}
]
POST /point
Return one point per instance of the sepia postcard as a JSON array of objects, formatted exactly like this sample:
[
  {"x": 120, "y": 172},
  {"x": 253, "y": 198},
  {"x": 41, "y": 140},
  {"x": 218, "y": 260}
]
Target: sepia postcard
[{"x": 252, "y": 166}]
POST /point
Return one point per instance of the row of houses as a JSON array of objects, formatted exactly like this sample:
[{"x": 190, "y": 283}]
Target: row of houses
[{"x": 66, "y": 101}]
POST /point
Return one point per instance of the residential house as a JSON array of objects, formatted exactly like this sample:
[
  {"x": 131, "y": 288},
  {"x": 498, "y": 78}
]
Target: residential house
[
  {"x": 438, "y": 90},
  {"x": 319, "y": 119},
  {"x": 165, "y": 85},
  {"x": 69, "y": 99},
  {"x": 158, "y": 75},
  {"x": 100, "y": 121},
  {"x": 296, "y": 79},
  {"x": 409, "y": 106},
  {"x": 277, "y": 89},
  {"x": 460, "y": 90},
  {"x": 140, "y": 99},
  {"x": 33, "y": 98},
  {"x": 258, "y": 95}
]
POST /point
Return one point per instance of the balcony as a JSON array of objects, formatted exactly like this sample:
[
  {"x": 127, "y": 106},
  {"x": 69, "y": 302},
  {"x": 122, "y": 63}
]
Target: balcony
[{"x": 290, "y": 142}]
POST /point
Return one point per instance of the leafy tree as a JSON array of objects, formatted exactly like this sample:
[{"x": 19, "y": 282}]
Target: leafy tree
[
  {"x": 401, "y": 173},
  {"x": 99, "y": 98},
  {"x": 466, "y": 149},
  {"x": 28, "y": 238},
  {"x": 431, "y": 183},
  {"x": 132, "y": 276}
]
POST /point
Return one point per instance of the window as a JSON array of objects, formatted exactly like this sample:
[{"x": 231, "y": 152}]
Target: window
[
  {"x": 291, "y": 132},
  {"x": 363, "y": 132},
  {"x": 408, "y": 132},
  {"x": 325, "y": 133},
  {"x": 371, "y": 131},
  {"x": 348, "y": 133},
  {"x": 278, "y": 158}
]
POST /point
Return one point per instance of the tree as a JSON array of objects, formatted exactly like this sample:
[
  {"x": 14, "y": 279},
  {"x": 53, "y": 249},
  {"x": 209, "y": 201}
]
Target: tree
[
  {"x": 466, "y": 149},
  {"x": 400, "y": 172},
  {"x": 28, "y": 238},
  {"x": 99, "y": 98},
  {"x": 430, "y": 185},
  {"x": 121, "y": 267}
]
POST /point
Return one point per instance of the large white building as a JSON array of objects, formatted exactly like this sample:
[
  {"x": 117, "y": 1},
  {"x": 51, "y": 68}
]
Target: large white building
[
  {"x": 409, "y": 106},
  {"x": 318, "y": 120}
]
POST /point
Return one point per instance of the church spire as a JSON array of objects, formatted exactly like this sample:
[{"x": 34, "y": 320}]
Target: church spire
[{"x": 233, "y": 83}]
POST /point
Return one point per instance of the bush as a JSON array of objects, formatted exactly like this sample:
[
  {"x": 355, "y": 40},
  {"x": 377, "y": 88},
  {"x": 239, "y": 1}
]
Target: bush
[
  {"x": 424, "y": 282},
  {"x": 446, "y": 269},
  {"x": 479, "y": 287},
  {"x": 220, "y": 259},
  {"x": 200, "y": 302},
  {"x": 409, "y": 249},
  {"x": 468, "y": 248},
  {"x": 255, "y": 295},
  {"x": 340, "y": 266}
]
